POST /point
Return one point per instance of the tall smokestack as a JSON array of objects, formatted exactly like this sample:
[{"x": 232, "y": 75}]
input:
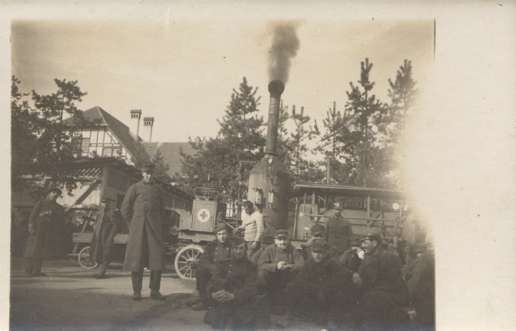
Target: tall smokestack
[{"x": 276, "y": 88}]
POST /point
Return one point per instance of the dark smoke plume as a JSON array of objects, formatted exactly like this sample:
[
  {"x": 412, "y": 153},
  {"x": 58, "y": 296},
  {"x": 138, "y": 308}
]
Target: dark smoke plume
[{"x": 284, "y": 47}]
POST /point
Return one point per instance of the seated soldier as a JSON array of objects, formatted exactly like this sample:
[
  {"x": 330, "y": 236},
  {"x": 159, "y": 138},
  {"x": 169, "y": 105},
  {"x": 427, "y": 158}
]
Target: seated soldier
[
  {"x": 277, "y": 266},
  {"x": 232, "y": 292},
  {"x": 322, "y": 290},
  {"x": 216, "y": 251},
  {"x": 421, "y": 286},
  {"x": 267, "y": 239},
  {"x": 383, "y": 291},
  {"x": 317, "y": 231}
]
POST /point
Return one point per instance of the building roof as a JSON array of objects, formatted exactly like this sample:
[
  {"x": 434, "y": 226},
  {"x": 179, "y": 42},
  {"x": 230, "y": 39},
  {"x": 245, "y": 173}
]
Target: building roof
[
  {"x": 347, "y": 190},
  {"x": 97, "y": 117},
  {"x": 171, "y": 153}
]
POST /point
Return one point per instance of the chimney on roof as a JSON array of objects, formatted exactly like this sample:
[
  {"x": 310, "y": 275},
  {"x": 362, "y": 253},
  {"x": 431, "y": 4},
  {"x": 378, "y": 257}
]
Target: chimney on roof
[
  {"x": 149, "y": 121},
  {"x": 137, "y": 114}
]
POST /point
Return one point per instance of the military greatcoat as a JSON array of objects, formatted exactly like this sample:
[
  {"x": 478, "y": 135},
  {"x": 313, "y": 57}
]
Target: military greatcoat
[
  {"x": 384, "y": 291},
  {"x": 143, "y": 208},
  {"x": 44, "y": 218}
]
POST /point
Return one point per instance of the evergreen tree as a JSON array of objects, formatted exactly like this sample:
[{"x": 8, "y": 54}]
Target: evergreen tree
[
  {"x": 367, "y": 112},
  {"x": 160, "y": 168},
  {"x": 224, "y": 162},
  {"x": 336, "y": 143},
  {"x": 40, "y": 140},
  {"x": 402, "y": 93}
]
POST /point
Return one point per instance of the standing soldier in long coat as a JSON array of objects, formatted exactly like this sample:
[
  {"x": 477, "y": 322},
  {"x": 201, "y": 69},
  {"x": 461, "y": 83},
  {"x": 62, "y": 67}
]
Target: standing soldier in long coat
[
  {"x": 46, "y": 212},
  {"x": 143, "y": 208}
]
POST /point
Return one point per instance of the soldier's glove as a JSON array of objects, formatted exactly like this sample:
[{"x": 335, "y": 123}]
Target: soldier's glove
[
  {"x": 281, "y": 265},
  {"x": 356, "y": 279},
  {"x": 228, "y": 297},
  {"x": 217, "y": 296}
]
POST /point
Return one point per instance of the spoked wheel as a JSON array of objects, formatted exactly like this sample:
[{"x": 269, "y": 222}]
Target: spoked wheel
[
  {"x": 186, "y": 261},
  {"x": 85, "y": 260}
]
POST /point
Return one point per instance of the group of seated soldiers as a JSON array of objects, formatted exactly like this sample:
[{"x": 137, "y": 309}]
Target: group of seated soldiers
[{"x": 332, "y": 288}]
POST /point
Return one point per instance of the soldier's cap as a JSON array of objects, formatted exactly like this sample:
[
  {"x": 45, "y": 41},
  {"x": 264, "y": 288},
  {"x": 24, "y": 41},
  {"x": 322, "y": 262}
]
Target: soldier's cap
[
  {"x": 148, "y": 168},
  {"x": 319, "y": 246},
  {"x": 373, "y": 236},
  {"x": 55, "y": 189},
  {"x": 419, "y": 247},
  {"x": 281, "y": 233},
  {"x": 317, "y": 229},
  {"x": 246, "y": 203},
  {"x": 356, "y": 242},
  {"x": 221, "y": 227}
]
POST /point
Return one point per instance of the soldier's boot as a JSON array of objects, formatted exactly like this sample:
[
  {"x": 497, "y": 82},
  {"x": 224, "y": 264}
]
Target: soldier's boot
[
  {"x": 137, "y": 279},
  {"x": 36, "y": 271},
  {"x": 155, "y": 282},
  {"x": 102, "y": 270}
]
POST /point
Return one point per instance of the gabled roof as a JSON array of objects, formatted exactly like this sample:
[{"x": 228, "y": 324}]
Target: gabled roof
[
  {"x": 97, "y": 117},
  {"x": 171, "y": 153}
]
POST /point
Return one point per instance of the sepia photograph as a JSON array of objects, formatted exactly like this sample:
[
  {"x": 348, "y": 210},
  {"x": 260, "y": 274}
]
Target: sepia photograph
[{"x": 217, "y": 172}]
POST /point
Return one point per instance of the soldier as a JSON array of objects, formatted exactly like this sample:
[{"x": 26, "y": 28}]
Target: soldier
[
  {"x": 322, "y": 290},
  {"x": 352, "y": 258},
  {"x": 109, "y": 222},
  {"x": 232, "y": 292},
  {"x": 421, "y": 286},
  {"x": 143, "y": 208},
  {"x": 217, "y": 251},
  {"x": 338, "y": 229},
  {"x": 45, "y": 213},
  {"x": 252, "y": 224},
  {"x": 317, "y": 231},
  {"x": 277, "y": 266},
  {"x": 384, "y": 293}
]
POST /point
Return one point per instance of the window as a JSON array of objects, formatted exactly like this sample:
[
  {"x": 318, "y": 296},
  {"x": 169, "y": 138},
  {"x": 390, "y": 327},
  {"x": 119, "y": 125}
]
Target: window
[{"x": 85, "y": 145}]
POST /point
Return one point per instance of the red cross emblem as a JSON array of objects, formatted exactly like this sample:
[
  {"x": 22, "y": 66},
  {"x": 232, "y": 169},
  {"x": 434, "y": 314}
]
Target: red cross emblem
[{"x": 203, "y": 215}]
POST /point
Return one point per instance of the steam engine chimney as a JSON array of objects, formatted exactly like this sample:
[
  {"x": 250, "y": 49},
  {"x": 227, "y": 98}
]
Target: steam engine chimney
[
  {"x": 269, "y": 180},
  {"x": 276, "y": 88}
]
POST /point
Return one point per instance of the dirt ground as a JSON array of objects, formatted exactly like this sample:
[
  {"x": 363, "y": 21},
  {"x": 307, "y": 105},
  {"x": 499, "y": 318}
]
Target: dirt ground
[{"x": 71, "y": 298}]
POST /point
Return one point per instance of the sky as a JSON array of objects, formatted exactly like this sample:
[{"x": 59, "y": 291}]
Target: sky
[{"x": 182, "y": 71}]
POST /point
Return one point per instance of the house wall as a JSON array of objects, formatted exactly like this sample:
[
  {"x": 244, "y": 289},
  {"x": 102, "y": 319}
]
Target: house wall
[{"x": 101, "y": 143}]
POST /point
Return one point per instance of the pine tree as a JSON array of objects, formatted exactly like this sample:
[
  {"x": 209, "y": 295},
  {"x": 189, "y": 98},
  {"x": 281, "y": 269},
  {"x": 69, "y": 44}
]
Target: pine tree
[
  {"x": 160, "y": 168},
  {"x": 224, "y": 162},
  {"x": 366, "y": 113},
  {"x": 402, "y": 93}
]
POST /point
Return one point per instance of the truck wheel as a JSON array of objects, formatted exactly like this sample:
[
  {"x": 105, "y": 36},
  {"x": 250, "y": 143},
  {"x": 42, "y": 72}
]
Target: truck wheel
[
  {"x": 186, "y": 261},
  {"x": 84, "y": 258}
]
